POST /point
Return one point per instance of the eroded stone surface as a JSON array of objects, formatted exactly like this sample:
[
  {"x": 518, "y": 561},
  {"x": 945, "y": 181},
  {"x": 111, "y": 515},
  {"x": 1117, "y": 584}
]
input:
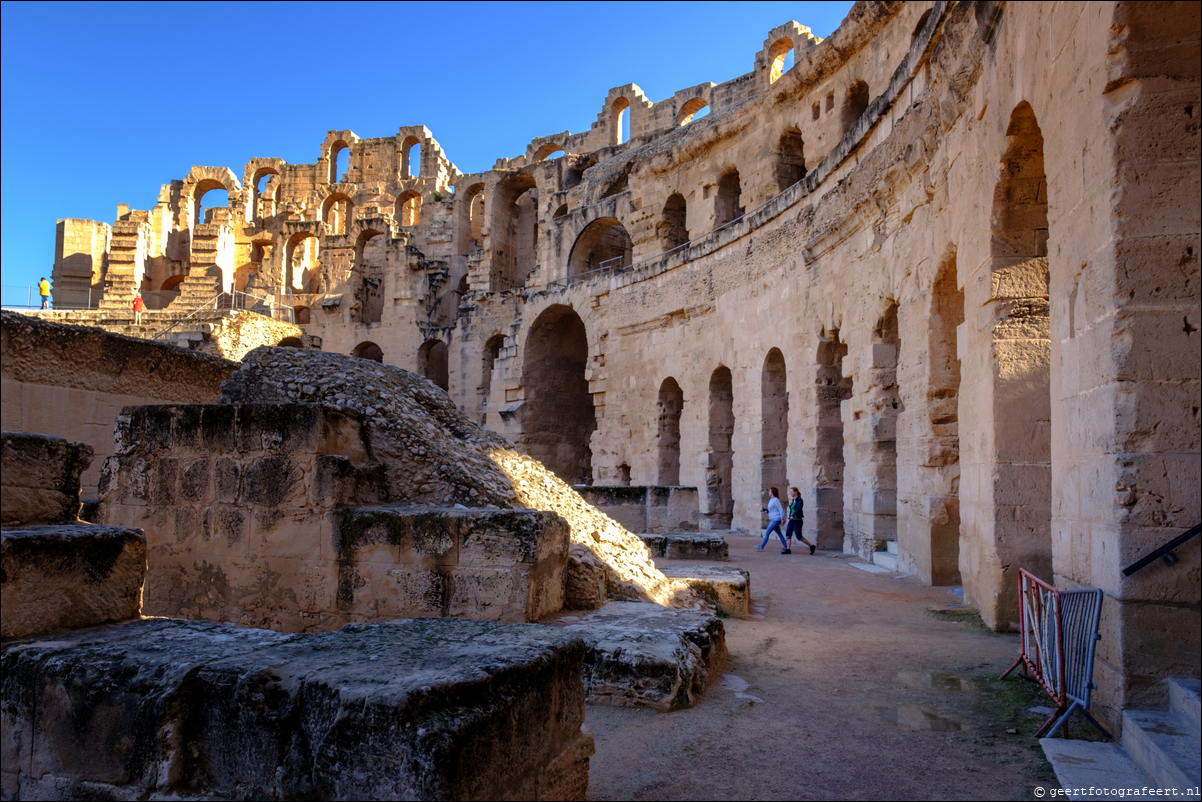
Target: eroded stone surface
[
  {"x": 418, "y": 709},
  {"x": 726, "y": 587},
  {"x": 69, "y": 575},
  {"x": 40, "y": 482},
  {"x": 687, "y": 546},
  {"x": 643, "y": 655},
  {"x": 434, "y": 454}
]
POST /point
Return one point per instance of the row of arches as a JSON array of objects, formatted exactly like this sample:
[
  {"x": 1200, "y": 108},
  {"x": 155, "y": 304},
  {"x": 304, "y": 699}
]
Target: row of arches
[{"x": 339, "y": 156}]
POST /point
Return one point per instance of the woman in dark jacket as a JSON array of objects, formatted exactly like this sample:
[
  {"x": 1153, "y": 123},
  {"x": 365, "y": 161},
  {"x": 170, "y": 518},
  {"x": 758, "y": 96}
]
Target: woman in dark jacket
[{"x": 796, "y": 515}]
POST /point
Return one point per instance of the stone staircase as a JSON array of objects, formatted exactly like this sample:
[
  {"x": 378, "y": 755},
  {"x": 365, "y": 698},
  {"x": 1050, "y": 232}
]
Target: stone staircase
[
  {"x": 887, "y": 559},
  {"x": 1160, "y": 749}
]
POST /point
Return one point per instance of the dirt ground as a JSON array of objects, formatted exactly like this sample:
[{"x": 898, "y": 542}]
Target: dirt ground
[{"x": 845, "y": 687}]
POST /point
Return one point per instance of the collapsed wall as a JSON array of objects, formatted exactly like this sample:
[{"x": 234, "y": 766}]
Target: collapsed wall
[{"x": 434, "y": 454}]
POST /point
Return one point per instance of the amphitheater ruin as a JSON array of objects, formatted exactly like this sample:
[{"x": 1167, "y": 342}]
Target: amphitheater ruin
[{"x": 942, "y": 274}]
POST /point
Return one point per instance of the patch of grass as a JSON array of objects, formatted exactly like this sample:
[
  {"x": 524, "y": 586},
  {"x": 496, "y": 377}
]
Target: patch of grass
[{"x": 723, "y": 614}]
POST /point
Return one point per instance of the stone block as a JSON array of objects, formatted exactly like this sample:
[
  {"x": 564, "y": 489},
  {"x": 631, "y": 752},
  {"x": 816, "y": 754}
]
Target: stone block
[
  {"x": 69, "y": 575},
  {"x": 727, "y": 588},
  {"x": 645, "y": 655},
  {"x": 419, "y": 709},
  {"x": 687, "y": 546},
  {"x": 39, "y": 478}
]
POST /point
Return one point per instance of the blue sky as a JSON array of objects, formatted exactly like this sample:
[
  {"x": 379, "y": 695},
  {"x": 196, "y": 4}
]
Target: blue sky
[{"x": 103, "y": 102}]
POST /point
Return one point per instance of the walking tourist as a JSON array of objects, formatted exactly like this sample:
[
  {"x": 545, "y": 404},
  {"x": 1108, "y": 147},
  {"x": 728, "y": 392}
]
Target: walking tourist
[
  {"x": 44, "y": 291},
  {"x": 796, "y": 516},
  {"x": 139, "y": 305},
  {"x": 776, "y": 514}
]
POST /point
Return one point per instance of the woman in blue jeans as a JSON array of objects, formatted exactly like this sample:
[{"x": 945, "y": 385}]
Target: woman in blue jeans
[
  {"x": 796, "y": 517},
  {"x": 776, "y": 514}
]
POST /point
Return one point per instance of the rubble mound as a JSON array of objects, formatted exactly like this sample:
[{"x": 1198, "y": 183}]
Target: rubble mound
[{"x": 433, "y": 454}]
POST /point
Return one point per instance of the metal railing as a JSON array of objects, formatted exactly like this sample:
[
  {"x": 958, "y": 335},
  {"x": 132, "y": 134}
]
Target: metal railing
[
  {"x": 25, "y": 297},
  {"x": 1165, "y": 552},
  {"x": 278, "y": 308},
  {"x": 1059, "y": 632},
  {"x": 709, "y": 236}
]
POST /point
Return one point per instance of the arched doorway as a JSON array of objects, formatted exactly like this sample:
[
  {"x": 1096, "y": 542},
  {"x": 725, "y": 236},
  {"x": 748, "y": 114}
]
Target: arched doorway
[
  {"x": 432, "y": 362},
  {"x": 557, "y": 416},
  {"x": 774, "y": 422},
  {"x": 604, "y": 243},
  {"x": 719, "y": 508},
  {"x": 833, "y": 388},
  {"x": 368, "y": 350},
  {"x": 669, "y": 407}
]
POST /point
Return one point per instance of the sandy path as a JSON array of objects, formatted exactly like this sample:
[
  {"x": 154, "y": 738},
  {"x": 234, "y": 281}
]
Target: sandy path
[{"x": 865, "y": 695}]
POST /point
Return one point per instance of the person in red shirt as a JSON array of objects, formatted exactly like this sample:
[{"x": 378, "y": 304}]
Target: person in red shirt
[{"x": 139, "y": 305}]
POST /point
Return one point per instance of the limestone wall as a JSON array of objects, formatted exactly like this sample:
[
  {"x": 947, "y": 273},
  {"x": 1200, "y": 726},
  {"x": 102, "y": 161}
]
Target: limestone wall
[{"x": 72, "y": 382}]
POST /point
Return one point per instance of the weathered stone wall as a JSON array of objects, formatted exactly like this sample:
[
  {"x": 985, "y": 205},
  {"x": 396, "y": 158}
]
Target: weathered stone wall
[
  {"x": 41, "y": 478},
  {"x": 72, "y": 382},
  {"x": 640, "y": 509},
  {"x": 256, "y": 514}
]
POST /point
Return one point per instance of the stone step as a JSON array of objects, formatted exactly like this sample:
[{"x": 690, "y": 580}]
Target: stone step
[
  {"x": 1184, "y": 702},
  {"x": 1092, "y": 764},
  {"x": 891, "y": 547},
  {"x": 726, "y": 587},
  {"x": 687, "y": 545},
  {"x": 644, "y": 655},
  {"x": 1165, "y": 746},
  {"x": 886, "y": 560}
]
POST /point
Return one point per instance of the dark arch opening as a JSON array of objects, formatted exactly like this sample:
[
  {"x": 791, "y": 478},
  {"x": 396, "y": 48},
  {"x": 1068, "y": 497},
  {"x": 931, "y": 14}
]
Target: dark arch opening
[
  {"x": 781, "y": 57},
  {"x": 693, "y": 109},
  {"x": 558, "y": 418},
  {"x": 368, "y": 350},
  {"x": 603, "y": 244},
  {"x": 833, "y": 388},
  {"x": 673, "y": 230},
  {"x": 432, "y": 362},
  {"x": 411, "y": 157},
  {"x": 854, "y": 106},
  {"x": 669, "y": 408},
  {"x": 720, "y": 504},
  {"x": 290, "y": 342},
  {"x": 790, "y": 160},
  {"x": 774, "y": 422},
  {"x": 492, "y": 350},
  {"x": 340, "y": 156},
  {"x": 727, "y": 208},
  {"x": 370, "y": 260}
]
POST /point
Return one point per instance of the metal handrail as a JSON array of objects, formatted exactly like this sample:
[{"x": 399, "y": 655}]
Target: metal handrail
[
  {"x": 1165, "y": 552},
  {"x": 211, "y": 302}
]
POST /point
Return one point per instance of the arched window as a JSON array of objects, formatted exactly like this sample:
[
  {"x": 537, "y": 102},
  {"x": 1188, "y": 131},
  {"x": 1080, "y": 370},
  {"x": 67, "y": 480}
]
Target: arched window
[
  {"x": 409, "y": 208},
  {"x": 726, "y": 205},
  {"x": 694, "y": 109},
  {"x": 370, "y": 260},
  {"x": 368, "y": 350},
  {"x": 669, "y": 408},
  {"x": 492, "y": 349},
  {"x": 621, "y": 120},
  {"x": 547, "y": 151},
  {"x": 340, "y": 157},
  {"x": 411, "y": 157},
  {"x": 266, "y": 183},
  {"x": 718, "y": 506},
  {"x": 514, "y": 216},
  {"x": 336, "y": 212},
  {"x": 560, "y": 212},
  {"x": 854, "y": 106},
  {"x": 211, "y": 198},
  {"x": 301, "y": 259},
  {"x": 673, "y": 231},
  {"x": 604, "y": 244},
  {"x": 774, "y": 423},
  {"x": 780, "y": 58},
  {"x": 432, "y": 362},
  {"x": 790, "y": 160}
]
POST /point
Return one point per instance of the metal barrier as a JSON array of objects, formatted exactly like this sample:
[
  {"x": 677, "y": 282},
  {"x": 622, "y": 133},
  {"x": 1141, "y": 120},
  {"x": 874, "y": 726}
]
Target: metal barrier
[
  {"x": 279, "y": 308},
  {"x": 28, "y": 297},
  {"x": 1059, "y": 639}
]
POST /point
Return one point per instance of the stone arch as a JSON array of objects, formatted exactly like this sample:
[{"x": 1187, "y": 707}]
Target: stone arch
[
  {"x": 512, "y": 232},
  {"x": 368, "y": 350},
  {"x": 172, "y": 283},
  {"x": 719, "y": 505},
  {"x": 855, "y": 103},
  {"x": 619, "y": 118},
  {"x": 473, "y": 208},
  {"x": 833, "y": 388},
  {"x": 301, "y": 315},
  {"x": 408, "y": 210},
  {"x": 301, "y": 258},
  {"x": 202, "y": 180},
  {"x": 669, "y": 407},
  {"x": 604, "y": 243},
  {"x": 546, "y": 151},
  {"x": 557, "y": 415},
  {"x": 432, "y": 362},
  {"x": 727, "y": 205},
  {"x": 263, "y": 200},
  {"x": 781, "y": 57},
  {"x": 790, "y": 159},
  {"x": 337, "y": 212},
  {"x": 337, "y": 147},
  {"x": 673, "y": 226},
  {"x": 774, "y": 422},
  {"x": 492, "y": 350},
  {"x": 690, "y": 110},
  {"x": 408, "y": 163},
  {"x": 290, "y": 342},
  {"x": 560, "y": 212},
  {"x": 370, "y": 267},
  {"x": 1021, "y": 425}
]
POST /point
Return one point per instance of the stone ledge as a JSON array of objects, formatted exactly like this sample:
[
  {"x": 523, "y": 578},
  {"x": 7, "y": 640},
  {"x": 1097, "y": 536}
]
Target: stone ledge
[
  {"x": 645, "y": 655},
  {"x": 40, "y": 478},
  {"x": 418, "y": 709},
  {"x": 726, "y": 587},
  {"x": 687, "y": 546},
  {"x": 69, "y": 575}
]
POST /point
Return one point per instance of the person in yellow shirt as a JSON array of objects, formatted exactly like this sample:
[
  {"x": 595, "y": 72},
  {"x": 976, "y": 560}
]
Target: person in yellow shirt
[{"x": 44, "y": 291}]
